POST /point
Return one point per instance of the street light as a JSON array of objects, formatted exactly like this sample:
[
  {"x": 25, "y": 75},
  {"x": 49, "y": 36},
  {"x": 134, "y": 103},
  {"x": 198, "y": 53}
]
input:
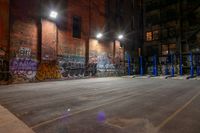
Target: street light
[
  {"x": 120, "y": 37},
  {"x": 99, "y": 35},
  {"x": 53, "y": 14}
]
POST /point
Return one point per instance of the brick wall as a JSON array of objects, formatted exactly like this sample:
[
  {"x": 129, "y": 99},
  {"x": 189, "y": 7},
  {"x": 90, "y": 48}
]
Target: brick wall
[
  {"x": 63, "y": 56},
  {"x": 4, "y": 35},
  {"x": 4, "y": 28},
  {"x": 49, "y": 40},
  {"x": 23, "y": 41},
  {"x": 106, "y": 58}
]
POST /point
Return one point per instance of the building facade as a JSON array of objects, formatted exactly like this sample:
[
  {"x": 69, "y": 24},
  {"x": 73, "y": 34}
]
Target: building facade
[
  {"x": 35, "y": 47},
  {"x": 171, "y": 26},
  {"x": 125, "y": 17}
]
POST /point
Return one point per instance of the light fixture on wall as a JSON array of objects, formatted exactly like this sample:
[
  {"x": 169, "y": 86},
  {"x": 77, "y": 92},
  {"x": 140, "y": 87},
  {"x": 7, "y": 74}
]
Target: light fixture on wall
[
  {"x": 120, "y": 37},
  {"x": 53, "y": 14},
  {"x": 99, "y": 35}
]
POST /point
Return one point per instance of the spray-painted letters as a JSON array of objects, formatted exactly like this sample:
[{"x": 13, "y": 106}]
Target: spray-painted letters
[
  {"x": 72, "y": 66},
  {"x": 48, "y": 71},
  {"x": 24, "y": 68}
]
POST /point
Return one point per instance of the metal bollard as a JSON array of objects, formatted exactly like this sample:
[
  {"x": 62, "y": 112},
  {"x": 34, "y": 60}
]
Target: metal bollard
[
  {"x": 191, "y": 65},
  {"x": 172, "y": 65},
  {"x": 155, "y": 73},
  {"x": 129, "y": 65},
  {"x": 181, "y": 65},
  {"x": 141, "y": 67}
]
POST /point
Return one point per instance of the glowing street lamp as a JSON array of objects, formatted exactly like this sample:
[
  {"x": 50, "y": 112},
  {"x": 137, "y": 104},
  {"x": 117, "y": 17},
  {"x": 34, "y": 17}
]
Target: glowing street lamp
[
  {"x": 99, "y": 35},
  {"x": 120, "y": 37},
  {"x": 53, "y": 14}
]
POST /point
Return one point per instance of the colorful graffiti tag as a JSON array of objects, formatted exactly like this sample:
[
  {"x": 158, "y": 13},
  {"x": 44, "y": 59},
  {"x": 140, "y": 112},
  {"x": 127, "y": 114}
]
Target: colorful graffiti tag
[
  {"x": 104, "y": 65},
  {"x": 24, "y": 52},
  {"x": 23, "y": 68},
  {"x": 72, "y": 66},
  {"x": 48, "y": 70}
]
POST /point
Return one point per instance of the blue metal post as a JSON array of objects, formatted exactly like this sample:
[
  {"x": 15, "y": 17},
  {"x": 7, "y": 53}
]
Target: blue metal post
[
  {"x": 129, "y": 65},
  {"x": 198, "y": 67},
  {"x": 133, "y": 67},
  {"x": 172, "y": 65},
  {"x": 191, "y": 65},
  {"x": 198, "y": 70},
  {"x": 166, "y": 68},
  {"x": 155, "y": 66},
  {"x": 141, "y": 67},
  {"x": 181, "y": 65}
]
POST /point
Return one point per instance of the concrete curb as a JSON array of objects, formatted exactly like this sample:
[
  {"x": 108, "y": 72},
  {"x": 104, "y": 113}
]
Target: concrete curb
[{"x": 11, "y": 124}]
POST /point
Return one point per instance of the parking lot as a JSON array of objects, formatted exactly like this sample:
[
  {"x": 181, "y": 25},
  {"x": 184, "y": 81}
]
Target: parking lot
[{"x": 106, "y": 105}]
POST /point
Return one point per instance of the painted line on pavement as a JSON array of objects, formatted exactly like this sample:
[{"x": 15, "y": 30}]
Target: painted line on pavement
[{"x": 172, "y": 116}]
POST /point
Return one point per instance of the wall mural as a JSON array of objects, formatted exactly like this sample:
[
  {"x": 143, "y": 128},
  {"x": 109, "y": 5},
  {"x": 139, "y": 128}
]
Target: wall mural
[
  {"x": 101, "y": 60},
  {"x": 72, "y": 66},
  {"x": 23, "y": 69},
  {"x": 103, "y": 65},
  {"x": 48, "y": 70}
]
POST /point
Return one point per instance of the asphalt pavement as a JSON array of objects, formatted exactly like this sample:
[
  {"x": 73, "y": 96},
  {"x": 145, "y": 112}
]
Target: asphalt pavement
[{"x": 106, "y": 105}]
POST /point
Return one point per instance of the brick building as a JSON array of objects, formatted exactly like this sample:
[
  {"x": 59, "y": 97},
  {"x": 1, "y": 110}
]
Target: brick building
[{"x": 36, "y": 47}]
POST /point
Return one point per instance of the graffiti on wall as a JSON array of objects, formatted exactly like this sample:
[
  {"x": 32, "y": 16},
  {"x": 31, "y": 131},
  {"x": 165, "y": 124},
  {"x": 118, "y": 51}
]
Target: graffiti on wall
[
  {"x": 4, "y": 75},
  {"x": 49, "y": 70},
  {"x": 24, "y": 52},
  {"x": 23, "y": 68},
  {"x": 103, "y": 64},
  {"x": 72, "y": 66}
]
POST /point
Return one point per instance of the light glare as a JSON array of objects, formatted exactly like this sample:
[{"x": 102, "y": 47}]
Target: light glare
[
  {"x": 99, "y": 35},
  {"x": 53, "y": 14},
  {"x": 120, "y": 37}
]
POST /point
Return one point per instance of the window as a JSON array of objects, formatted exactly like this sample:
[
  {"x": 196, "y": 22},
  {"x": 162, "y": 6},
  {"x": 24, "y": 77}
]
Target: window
[
  {"x": 172, "y": 48},
  {"x": 156, "y": 35},
  {"x": 168, "y": 49},
  {"x": 149, "y": 36},
  {"x": 77, "y": 27},
  {"x": 165, "y": 50}
]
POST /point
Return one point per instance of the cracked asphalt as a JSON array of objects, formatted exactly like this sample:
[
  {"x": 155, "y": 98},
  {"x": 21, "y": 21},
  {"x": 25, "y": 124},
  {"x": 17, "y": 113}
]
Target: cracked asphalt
[{"x": 106, "y": 105}]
